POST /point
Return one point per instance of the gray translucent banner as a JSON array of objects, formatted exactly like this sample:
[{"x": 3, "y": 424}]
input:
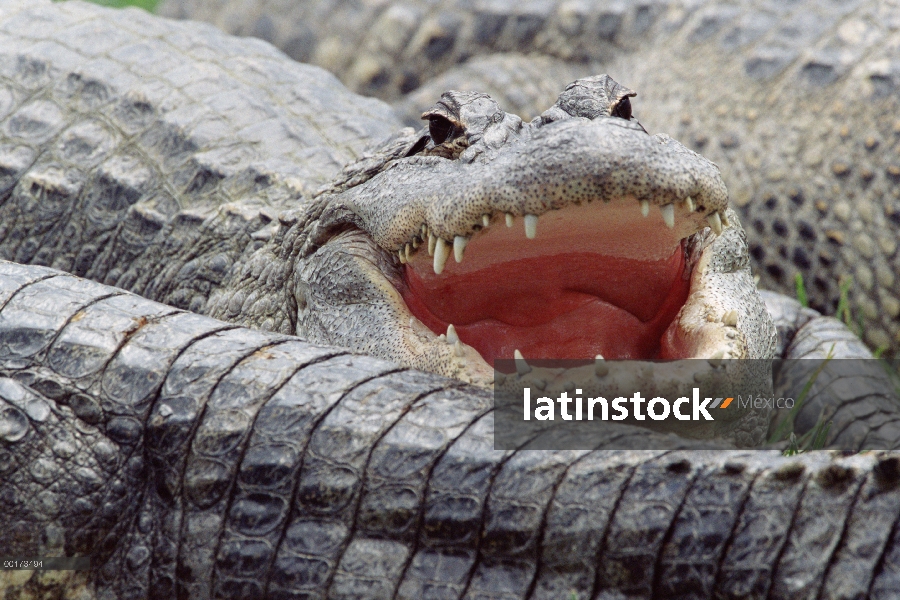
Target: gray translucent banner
[{"x": 792, "y": 405}]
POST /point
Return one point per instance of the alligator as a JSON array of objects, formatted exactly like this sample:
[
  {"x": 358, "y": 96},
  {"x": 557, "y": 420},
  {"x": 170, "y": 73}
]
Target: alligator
[
  {"x": 137, "y": 182},
  {"x": 193, "y": 457},
  {"x": 797, "y": 102}
]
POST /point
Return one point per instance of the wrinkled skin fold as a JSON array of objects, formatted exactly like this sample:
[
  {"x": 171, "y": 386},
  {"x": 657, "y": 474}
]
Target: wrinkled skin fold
[
  {"x": 192, "y": 457},
  {"x": 472, "y": 219}
]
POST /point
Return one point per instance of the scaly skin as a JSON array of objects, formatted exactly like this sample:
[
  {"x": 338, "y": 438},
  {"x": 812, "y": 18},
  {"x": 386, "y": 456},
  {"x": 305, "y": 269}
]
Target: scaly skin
[
  {"x": 796, "y": 102},
  {"x": 194, "y": 459},
  {"x": 182, "y": 213}
]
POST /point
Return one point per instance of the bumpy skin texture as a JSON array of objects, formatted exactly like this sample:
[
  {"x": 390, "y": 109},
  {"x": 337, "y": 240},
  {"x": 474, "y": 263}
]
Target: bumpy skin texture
[
  {"x": 194, "y": 459},
  {"x": 145, "y": 154},
  {"x": 796, "y": 102},
  {"x": 134, "y": 181}
]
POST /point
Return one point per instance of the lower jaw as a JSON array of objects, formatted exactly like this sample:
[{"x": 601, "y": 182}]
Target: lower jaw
[{"x": 554, "y": 315}]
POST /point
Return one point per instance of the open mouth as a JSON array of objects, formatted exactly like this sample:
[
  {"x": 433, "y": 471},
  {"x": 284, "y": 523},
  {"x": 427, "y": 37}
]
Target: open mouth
[
  {"x": 565, "y": 239},
  {"x": 599, "y": 278}
]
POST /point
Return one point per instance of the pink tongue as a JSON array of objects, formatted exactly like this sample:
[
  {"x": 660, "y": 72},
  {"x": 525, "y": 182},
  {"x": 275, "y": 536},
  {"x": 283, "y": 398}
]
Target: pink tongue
[{"x": 570, "y": 306}]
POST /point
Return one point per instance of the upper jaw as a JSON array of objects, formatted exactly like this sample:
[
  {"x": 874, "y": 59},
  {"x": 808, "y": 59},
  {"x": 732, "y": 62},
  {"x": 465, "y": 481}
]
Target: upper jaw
[
  {"x": 548, "y": 168},
  {"x": 428, "y": 209}
]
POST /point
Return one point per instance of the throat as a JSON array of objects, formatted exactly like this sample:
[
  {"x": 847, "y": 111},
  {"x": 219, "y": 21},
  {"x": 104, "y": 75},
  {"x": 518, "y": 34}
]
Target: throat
[{"x": 572, "y": 305}]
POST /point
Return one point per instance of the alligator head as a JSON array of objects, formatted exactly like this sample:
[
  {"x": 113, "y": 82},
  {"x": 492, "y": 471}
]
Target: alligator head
[{"x": 575, "y": 235}]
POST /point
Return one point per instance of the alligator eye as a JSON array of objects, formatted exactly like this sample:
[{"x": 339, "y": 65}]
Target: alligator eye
[
  {"x": 440, "y": 128},
  {"x": 623, "y": 109}
]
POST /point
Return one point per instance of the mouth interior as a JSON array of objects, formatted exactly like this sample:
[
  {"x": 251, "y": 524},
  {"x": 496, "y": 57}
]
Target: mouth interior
[{"x": 595, "y": 280}]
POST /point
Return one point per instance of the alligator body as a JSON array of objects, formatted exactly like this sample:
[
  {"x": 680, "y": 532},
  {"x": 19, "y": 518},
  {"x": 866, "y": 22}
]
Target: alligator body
[
  {"x": 136, "y": 182},
  {"x": 195, "y": 458},
  {"x": 796, "y": 102}
]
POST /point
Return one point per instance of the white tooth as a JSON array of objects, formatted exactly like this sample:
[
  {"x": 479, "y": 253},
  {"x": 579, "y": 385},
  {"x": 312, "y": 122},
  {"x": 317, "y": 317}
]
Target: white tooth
[
  {"x": 485, "y": 220},
  {"x": 645, "y": 208},
  {"x": 522, "y": 367},
  {"x": 725, "y": 221},
  {"x": 431, "y": 242},
  {"x": 601, "y": 369},
  {"x": 668, "y": 215},
  {"x": 715, "y": 222},
  {"x": 452, "y": 338},
  {"x": 509, "y": 220},
  {"x": 459, "y": 246},
  {"x": 689, "y": 203},
  {"x": 441, "y": 254},
  {"x": 458, "y": 349},
  {"x": 406, "y": 251},
  {"x": 531, "y": 226},
  {"x": 730, "y": 318},
  {"x": 415, "y": 243},
  {"x": 402, "y": 256},
  {"x": 424, "y": 230}
]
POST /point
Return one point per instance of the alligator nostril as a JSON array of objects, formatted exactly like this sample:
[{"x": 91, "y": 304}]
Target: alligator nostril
[{"x": 623, "y": 109}]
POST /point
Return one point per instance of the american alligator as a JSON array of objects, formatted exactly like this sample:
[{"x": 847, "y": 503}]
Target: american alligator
[
  {"x": 138, "y": 182},
  {"x": 190, "y": 458},
  {"x": 797, "y": 102},
  {"x": 194, "y": 458}
]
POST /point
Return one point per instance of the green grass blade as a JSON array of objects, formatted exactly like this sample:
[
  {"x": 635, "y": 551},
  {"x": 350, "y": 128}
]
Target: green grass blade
[
  {"x": 787, "y": 424},
  {"x": 801, "y": 290}
]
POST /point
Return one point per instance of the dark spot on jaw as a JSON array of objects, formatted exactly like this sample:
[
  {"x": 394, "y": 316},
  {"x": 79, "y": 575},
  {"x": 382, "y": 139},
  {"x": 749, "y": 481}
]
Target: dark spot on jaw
[
  {"x": 835, "y": 476},
  {"x": 760, "y": 226},
  {"x": 894, "y": 217},
  {"x": 801, "y": 259},
  {"x": 791, "y": 472},
  {"x": 771, "y": 202},
  {"x": 733, "y": 468},
  {"x": 775, "y": 271},
  {"x": 796, "y": 196},
  {"x": 729, "y": 140},
  {"x": 779, "y": 227},
  {"x": 806, "y": 231},
  {"x": 818, "y": 73},
  {"x": 679, "y": 467},
  {"x": 757, "y": 252},
  {"x": 380, "y": 79},
  {"x": 887, "y": 472},
  {"x": 410, "y": 82}
]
